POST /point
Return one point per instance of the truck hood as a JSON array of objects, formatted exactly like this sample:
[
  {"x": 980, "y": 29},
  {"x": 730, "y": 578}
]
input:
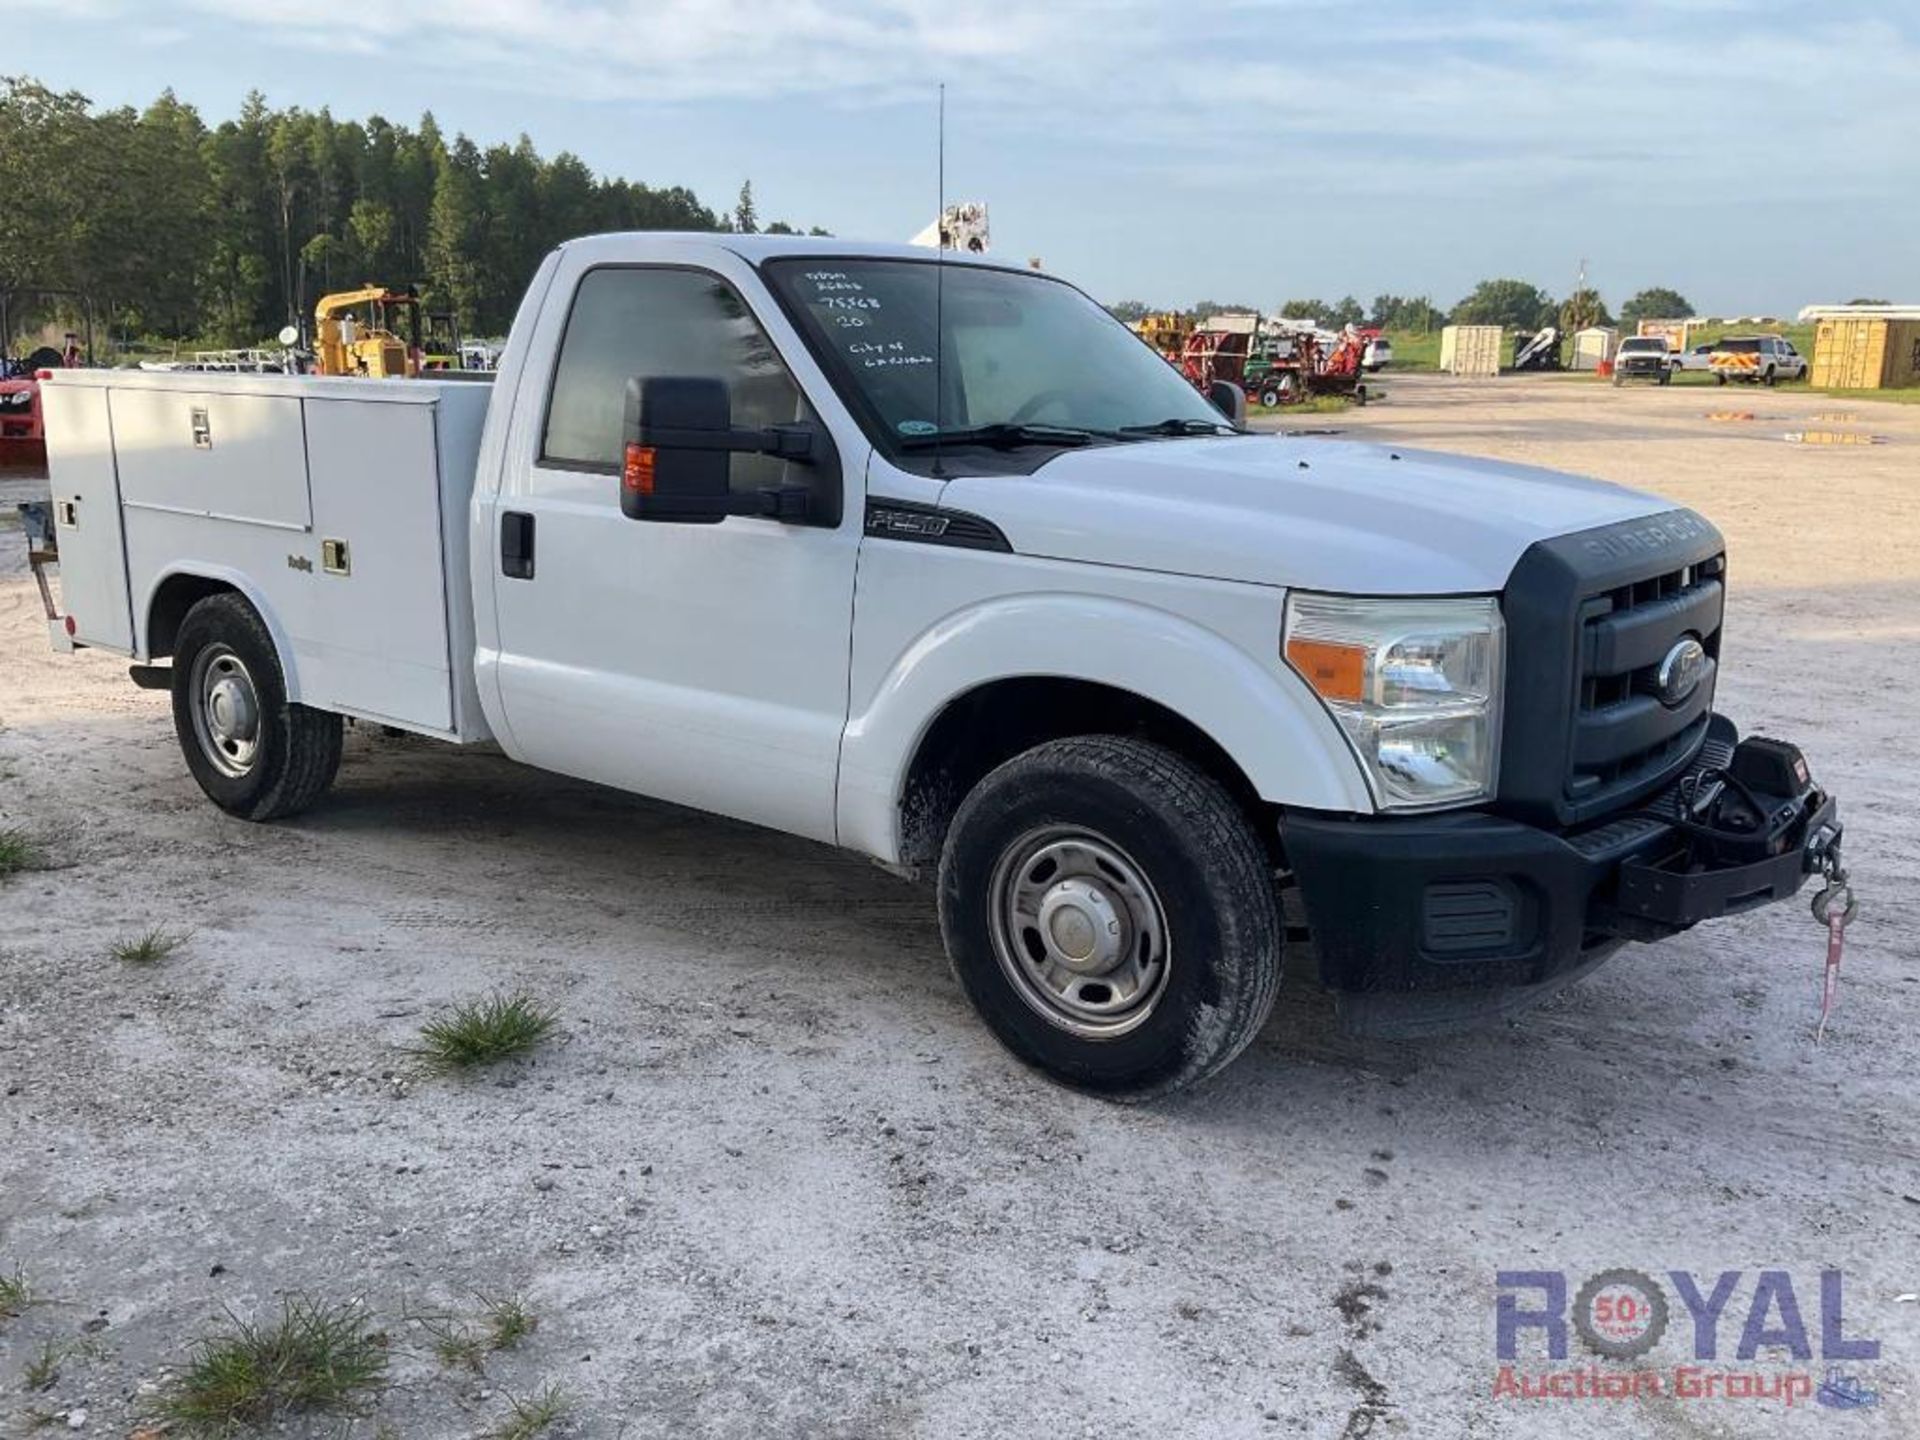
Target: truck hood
[{"x": 1294, "y": 511}]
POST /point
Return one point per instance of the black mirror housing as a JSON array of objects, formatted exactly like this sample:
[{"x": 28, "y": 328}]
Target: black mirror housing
[
  {"x": 1229, "y": 399},
  {"x": 680, "y": 438}
]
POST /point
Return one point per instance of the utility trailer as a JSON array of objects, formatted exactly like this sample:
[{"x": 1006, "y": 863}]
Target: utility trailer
[{"x": 338, "y": 507}]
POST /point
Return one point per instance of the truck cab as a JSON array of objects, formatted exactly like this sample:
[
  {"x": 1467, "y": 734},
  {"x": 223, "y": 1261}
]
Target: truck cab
[{"x": 929, "y": 558}]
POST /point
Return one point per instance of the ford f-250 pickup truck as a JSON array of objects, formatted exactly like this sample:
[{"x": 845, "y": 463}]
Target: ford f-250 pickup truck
[{"x": 933, "y": 560}]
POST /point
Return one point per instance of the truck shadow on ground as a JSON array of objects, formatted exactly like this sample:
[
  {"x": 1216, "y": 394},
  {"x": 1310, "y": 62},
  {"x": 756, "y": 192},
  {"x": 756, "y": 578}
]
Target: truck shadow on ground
[{"x": 661, "y": 865}]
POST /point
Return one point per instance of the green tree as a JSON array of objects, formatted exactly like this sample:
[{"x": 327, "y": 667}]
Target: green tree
[
  {"x": 1317, "y": 311},
  {"x": 1512, "y": 303},
  {"x": 1655, "y": 303},
  {"x": 745, "y": 219},
  {"x": 1583, "y": 308},
  {"x": 1129, "y": 312},
  {"x": 226, "y": 233},
  {"x": 457, "y": 236}
]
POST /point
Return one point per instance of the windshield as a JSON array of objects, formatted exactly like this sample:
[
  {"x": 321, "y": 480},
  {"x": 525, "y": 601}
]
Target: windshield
[
  {"x": 1643, "y": 343},
  {"x": 1026, "y": 359}
]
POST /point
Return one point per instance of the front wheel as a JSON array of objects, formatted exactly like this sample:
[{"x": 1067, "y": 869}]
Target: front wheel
[
  {"x": 255, "y": 754},
  {"x": 1112, "y": 916},
  {"x": 1771, "y": 377},
  {"x": 1270, "y": 395}
]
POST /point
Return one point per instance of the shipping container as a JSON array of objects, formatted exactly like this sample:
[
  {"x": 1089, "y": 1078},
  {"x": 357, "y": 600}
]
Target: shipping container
[
  {"x": 1866, "y": 353},
  {"x": 1675, "y": 332},
  {"x": 1471, "y": 349},
  {"x": 1594, "y": 347}
]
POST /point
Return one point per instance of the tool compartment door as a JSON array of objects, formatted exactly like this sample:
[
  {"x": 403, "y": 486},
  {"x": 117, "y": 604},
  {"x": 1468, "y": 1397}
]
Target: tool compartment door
[
  {"x": 86, "y": 515},
  {"x": 374, "y": 641},
  {"x": 218, "y": 455}
]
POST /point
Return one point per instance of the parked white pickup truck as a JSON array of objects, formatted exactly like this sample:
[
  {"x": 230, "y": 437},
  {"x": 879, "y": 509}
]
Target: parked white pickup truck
[{"x": 936, "y": 562}]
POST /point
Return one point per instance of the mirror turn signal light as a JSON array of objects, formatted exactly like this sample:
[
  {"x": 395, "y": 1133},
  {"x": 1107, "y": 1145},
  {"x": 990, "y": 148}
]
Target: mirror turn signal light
[{"x": 637, "y": 476}]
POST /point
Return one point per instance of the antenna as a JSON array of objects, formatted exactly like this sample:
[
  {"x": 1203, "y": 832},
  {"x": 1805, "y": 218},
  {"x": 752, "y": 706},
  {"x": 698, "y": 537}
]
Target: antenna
[{"x": 940, "y": 283}]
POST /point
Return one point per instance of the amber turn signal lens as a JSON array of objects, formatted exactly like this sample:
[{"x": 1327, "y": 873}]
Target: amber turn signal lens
[
  {"x": 638, "y": 474},
  {"x": 1336, "y": 672}
]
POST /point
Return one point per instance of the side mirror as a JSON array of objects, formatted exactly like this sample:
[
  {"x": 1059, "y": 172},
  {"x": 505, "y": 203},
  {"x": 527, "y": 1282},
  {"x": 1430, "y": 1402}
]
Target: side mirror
[
  {"x": 1229, "y": 399},
  {"x": 679, "y": 435}
]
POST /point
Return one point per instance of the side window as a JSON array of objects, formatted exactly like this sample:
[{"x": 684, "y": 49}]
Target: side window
[{"x": 628, "y": 322}]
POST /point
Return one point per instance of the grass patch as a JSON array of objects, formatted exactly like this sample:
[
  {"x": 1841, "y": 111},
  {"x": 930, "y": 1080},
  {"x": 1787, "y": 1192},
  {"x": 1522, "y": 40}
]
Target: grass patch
[
  {"x": 1908, "y": 396},
  {"x": 533, "y": 1414},
  {"x": 148, "y": 949},
  {"x": 1309, "y": 405},
  {"x": 314, "y": 1357},
  {"x": 44, "y": 1369},
  {"x": 485, "y": 1031},
  {"x": 502, "y": 1324},
  {"x": 454, "y": 1343},
  {"x": 18, "y": 851},
  {"x": 15, "y": 1293},
  {"x": 509, "y": 1321}
]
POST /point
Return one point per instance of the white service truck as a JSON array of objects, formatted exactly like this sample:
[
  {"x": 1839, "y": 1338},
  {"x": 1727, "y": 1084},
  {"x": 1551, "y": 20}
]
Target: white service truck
[{"x": 931, "y": 559}]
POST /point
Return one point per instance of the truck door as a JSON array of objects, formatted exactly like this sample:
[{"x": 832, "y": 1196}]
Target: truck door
[
  {"x": 704, "y": 664},
  {"x": 88, "y": 523}
]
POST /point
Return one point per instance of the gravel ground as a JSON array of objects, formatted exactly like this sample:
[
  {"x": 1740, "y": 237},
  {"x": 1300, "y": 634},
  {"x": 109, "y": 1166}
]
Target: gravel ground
[{"x": 771, "y": 1179}]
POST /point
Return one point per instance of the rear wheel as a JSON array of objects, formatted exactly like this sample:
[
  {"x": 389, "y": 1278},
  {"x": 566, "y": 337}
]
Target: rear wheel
[
  {"x": 1270, "y": 395},
  {"x": 253, "y": 752},
  {"x": 1771, "y": 379},
  {"x": 1719, "y": 377},
  {"x": 1111, "y": 914}
]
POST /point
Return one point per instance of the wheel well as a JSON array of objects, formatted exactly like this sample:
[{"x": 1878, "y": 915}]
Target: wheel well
[
  {"x": 991, "y": 724},
  {"x": 176, "y": 596}
]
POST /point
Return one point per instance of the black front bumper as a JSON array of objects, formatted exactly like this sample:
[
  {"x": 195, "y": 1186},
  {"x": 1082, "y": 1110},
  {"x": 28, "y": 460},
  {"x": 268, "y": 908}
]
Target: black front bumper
[{"x": 1470, "y": 900}]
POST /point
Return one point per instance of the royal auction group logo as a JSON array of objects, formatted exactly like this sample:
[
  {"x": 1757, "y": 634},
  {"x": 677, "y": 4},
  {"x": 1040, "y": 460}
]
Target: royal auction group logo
[{"x": 1782, "y": 1352}]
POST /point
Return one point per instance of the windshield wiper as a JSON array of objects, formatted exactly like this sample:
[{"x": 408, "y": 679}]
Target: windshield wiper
[
  {"x": 1184, "y": 425},
  {"x": 1002, "y": 435}
]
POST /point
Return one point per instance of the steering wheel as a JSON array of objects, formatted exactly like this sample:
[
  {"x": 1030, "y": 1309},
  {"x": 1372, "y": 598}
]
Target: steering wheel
[{"x": 1038, "y": 403}]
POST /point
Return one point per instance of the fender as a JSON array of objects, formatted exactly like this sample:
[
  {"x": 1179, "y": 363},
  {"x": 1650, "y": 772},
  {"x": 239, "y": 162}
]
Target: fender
[
  {"x": 1263, "y": 716},
  {"x": 237, "y": 580}
]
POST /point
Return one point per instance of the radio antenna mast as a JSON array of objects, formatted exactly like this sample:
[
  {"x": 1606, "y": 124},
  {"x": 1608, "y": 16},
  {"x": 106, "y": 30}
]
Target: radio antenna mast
[{"x": 940, "y": 283}]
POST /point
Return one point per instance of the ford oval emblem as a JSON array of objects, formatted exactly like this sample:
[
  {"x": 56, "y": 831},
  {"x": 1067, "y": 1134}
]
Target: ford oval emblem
[{"x": 1680, "y": 671}]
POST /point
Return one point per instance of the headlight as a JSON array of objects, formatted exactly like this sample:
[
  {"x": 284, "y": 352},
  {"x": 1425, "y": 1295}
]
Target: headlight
[{"x": 1414, "y": 685}]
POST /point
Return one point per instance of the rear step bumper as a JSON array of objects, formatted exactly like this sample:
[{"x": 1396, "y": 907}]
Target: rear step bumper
[
  {"x": 43, "y": 549},
  {"x": 1467, "y": 901}
]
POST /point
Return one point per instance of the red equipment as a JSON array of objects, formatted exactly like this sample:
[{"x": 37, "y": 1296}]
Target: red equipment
[{"x": 23, "y": 436}]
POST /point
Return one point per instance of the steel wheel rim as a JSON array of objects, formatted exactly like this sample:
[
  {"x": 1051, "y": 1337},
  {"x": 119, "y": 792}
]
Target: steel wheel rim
[
  {"x": 1079, "y": 932},
  {"x": 226, "y": 711}
]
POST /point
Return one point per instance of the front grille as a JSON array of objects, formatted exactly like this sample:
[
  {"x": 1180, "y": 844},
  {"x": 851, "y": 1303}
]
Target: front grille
[
  {"x": 1590, "y": 617},
  {"x": 1624, "y": 733}
]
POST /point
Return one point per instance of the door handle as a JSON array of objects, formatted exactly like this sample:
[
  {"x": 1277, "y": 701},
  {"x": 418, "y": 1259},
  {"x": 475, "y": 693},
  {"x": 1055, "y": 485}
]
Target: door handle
[{"x": 516, "y": 545}]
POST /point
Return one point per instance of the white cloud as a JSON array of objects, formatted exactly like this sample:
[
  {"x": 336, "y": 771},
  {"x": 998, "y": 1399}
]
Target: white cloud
[{"x": 1395, "y": 91}]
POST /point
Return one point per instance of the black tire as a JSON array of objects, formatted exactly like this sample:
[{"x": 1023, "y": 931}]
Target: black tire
[
  {"x": 1771, "y": 378},
  {"x": 1666, "y": 376},
  {"x": 1270, "y": 395},
  {"x": 1360, "y": 395},
  {"x": 1205, "y": 872},
  {"x": 1719, "y": 377},
  {"x": 295, "y": 751}
]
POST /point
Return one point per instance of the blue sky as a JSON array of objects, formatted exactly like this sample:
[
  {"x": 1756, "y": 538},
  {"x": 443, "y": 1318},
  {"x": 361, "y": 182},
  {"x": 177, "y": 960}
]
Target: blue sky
[{"x": 1757, "y": 155}]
